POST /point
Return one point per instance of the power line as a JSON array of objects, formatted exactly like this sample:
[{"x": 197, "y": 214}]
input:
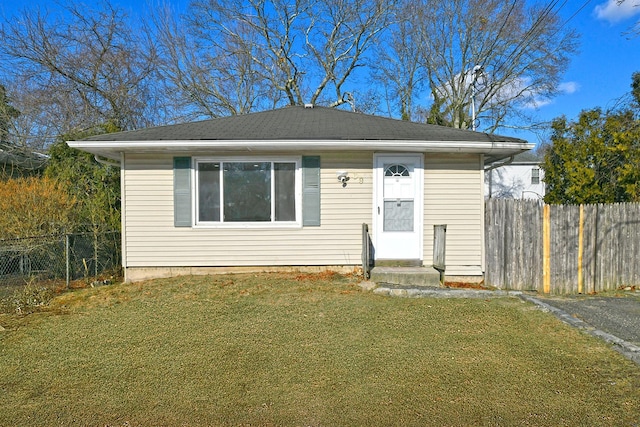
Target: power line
[
  {"x": 504, "y": 23},
  {"x": 545, "y": 13},
  {"x": 575, "y": 13},
  {"x": 530, "y": 33},
  {"x": 534, "y": 31}
]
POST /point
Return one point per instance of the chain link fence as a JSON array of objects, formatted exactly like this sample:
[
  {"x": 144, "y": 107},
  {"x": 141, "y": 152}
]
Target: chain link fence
[{"x": 58, "y": 258}]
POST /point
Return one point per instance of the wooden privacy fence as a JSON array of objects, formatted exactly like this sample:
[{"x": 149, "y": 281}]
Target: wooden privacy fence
[{"x": 561, "y": 249}]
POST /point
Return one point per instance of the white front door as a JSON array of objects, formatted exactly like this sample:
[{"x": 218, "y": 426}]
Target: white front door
[{"x": 398, "y": 206}]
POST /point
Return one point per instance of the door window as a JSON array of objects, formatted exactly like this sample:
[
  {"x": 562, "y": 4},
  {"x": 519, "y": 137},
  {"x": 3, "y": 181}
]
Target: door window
[{"x": 398, "y": 198}]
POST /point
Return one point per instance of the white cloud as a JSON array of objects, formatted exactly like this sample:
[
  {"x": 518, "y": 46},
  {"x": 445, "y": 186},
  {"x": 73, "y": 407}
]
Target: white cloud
[
  {"x": 518, "y": 87},
  {"x": 614, "y": 12},
  {"x": 568, "y": 87},
  {"x": 536, "y": 102}
]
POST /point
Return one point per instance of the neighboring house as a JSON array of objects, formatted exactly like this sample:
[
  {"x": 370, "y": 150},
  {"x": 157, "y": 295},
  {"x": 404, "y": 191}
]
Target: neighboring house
[
  {"x": 518, "y": 178},
  {"x": 292, "y": 187},
  {"x": 18, "y": 162}
]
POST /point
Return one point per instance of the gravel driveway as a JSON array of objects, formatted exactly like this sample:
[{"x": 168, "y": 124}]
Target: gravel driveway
[
  {"x": 616, "y": 319},
  {"x": 619, "y": 316}
]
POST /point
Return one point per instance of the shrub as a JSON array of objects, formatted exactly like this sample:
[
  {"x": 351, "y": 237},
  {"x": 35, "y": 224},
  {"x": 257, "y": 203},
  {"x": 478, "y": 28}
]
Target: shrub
[
  {"x": 34, "y": 207},
  {"x": 27, "y": 300}
]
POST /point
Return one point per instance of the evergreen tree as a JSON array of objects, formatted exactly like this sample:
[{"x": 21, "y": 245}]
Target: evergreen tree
[
  {"x": 7, "y": 112},
  {"x": 595, "y": 159},
  {"x": 95, "y": 186}
]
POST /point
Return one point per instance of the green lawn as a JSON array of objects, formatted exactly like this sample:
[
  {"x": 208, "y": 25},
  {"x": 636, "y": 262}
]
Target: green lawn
[{"x": 303, "y": 351}]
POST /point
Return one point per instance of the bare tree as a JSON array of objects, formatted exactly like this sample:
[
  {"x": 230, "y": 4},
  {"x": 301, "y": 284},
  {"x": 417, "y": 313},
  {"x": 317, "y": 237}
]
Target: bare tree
[
  {"x": 234, "y": 56},
  {"x": 397, "y": 66},
  {"x": 209, "y": 73},
  {"x": 7, "y": 114},
  {"x": 503, "y": 54},
  {"x": 87, "y": 67},
  {"x": 634, "y": 30},
  {"x": 15, "y": 159},
  {"x": 338, "y": 37},
  {"x": 77, "y": 69}
]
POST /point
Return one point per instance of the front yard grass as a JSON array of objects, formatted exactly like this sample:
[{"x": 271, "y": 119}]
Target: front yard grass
[{"x": 302, "y": 350}]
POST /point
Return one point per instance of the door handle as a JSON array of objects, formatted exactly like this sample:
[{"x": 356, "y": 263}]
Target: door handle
[{"x": 378, "y": 210}]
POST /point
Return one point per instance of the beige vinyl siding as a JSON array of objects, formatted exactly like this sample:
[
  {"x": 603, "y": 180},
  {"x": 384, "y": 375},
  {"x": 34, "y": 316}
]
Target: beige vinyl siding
[
  {"x": 153, "y": 241},
  {"x": 453, "y": 195}
]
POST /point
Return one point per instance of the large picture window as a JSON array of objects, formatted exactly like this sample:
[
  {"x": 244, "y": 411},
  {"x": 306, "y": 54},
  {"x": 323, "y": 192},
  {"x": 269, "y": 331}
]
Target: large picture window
[{"x": 232, "y": 191}]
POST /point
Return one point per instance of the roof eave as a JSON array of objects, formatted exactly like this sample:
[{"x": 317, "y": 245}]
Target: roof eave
[{"x": 113, "y": 149}]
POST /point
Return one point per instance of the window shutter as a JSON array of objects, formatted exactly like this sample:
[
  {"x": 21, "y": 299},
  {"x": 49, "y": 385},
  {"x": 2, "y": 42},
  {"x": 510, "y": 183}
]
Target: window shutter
[
  {"x": 182, "y": 191},
  {"x": 311, "y": 190}
]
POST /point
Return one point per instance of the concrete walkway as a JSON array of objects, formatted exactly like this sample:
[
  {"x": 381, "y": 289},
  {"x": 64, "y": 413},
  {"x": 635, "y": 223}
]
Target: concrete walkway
[{"x": 440, "y": 292}]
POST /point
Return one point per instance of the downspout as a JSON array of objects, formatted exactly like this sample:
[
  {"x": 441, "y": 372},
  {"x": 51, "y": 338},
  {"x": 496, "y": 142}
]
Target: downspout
[
  {"x": 107, "y": 162},
  {"x": 497, "y": 165},
  {"x": 123, "y": 216}
]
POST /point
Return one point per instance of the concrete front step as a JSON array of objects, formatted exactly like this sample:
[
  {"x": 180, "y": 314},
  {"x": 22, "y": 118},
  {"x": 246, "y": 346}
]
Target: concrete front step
[
  {"x": 406, "y": 276},
  {"x": 398, "y": 262}
]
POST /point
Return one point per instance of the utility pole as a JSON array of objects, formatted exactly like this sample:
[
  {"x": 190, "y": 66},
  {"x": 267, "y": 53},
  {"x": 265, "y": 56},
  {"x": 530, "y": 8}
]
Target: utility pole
[{"x": 474, "y": 77}]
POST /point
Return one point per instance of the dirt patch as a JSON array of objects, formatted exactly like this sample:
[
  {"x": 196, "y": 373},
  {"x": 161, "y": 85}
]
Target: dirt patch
[
  {"x": 466, "y": 285},
  {"x": 325, "y": 275}
]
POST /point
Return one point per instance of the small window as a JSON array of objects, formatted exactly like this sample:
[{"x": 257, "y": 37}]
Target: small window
[
  {"x": 535, "y": 175},
  {"x": 396, "y": 170},
  {"x": 247, "y": 191}
]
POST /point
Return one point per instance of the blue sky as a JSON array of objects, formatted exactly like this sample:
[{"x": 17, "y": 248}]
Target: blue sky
[
  {"x": 601, "y": 72},
  {"x": 597, "y": 76}
]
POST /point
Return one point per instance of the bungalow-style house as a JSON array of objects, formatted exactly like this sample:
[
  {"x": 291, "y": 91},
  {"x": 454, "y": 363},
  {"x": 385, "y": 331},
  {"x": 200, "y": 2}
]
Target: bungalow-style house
[
  {"x": 16, "y": 162},
  {"x": 519, "y": 177},
  {"x": 292, "y": 187}
]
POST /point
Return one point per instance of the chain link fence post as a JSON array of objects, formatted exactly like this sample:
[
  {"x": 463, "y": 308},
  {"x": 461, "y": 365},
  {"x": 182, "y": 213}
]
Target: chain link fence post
[
  {"x": 68, "y": 261},
  {"x": 58, "y": 260}
]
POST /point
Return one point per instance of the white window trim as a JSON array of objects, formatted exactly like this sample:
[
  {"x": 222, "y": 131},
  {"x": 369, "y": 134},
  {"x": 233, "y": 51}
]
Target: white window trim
[
  {"x": 535, "y": 175},
  {"x": 261, "y": 224}
]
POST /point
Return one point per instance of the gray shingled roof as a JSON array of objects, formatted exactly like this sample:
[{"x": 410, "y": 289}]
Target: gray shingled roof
[
  {"x": 528, "y": 157},
  {"x": 21, "y": 158},
  {"x": 300, "y": 123}
]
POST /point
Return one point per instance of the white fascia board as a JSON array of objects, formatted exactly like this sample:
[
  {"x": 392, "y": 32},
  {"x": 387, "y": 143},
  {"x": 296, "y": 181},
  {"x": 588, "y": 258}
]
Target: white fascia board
[{"x": 112, "y": 149}]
